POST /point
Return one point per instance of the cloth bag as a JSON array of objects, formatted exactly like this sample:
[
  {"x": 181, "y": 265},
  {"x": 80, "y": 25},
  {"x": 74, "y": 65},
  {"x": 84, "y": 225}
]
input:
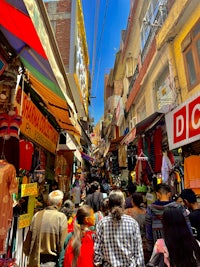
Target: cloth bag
[{"x": 156, "y": 261}]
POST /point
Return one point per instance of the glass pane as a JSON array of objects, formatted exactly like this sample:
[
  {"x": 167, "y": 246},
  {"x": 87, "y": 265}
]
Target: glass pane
[
  {"x": 196, "y": 30},
  {"x": 198, "y": 49},
  {"x": 191, "y": 68}
]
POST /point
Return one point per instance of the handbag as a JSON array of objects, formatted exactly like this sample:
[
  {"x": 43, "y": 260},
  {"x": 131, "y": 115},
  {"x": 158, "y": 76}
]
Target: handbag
[{"x": 157, "y": 260}]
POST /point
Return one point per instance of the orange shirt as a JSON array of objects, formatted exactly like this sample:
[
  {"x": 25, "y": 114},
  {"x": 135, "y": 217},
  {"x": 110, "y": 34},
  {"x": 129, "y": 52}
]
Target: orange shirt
[{"x": 192, "y": 173}]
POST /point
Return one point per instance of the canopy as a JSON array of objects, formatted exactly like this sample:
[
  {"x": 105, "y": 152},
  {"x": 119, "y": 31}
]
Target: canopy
[{"x": 24, "y": 28}]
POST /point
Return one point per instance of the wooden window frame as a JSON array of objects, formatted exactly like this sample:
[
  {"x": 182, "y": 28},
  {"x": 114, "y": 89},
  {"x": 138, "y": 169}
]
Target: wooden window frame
[{"x": 189, "y": 44}]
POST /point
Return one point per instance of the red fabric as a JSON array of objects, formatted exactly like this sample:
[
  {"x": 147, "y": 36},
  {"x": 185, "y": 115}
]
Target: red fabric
[
  {"x": 86, "y": 255},
  {"x": 70, "y": 225},
  {"x": 26, "y": 154},
  {"x": 19, "y": 24},
  {"x": 158, "y": 149}
]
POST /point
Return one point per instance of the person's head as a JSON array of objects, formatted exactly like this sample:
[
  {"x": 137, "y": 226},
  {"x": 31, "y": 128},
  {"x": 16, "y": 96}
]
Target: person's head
[
  {"x": 131, "y": 188},
  {"x": 116, "y": 204},
  {"x": 177, "y": 235},
  {"x": 95, "y": 186},
  {"x": 189, "y": 197},
  {"x": 163, "y": 192},
  {"x": 137, "y": 199},
  {"x": 105, "y": 206},
  {"x": 55, "y": 198},
  {"x": 177, "y": 199},
  {"x": 68, "y": 208},
  {"x": 85, "y": 216}
]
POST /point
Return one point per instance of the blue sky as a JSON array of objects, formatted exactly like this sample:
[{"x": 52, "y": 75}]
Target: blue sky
[{"x": 104, "y": 21}]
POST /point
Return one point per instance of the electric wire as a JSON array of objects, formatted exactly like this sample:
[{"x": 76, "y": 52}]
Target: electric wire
[{"x": 94, "y": 62}]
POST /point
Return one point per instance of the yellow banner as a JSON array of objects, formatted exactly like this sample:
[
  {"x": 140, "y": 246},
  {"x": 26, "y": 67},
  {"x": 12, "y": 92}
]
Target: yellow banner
[
  {"x": 29, "y": 190},
  {"x": 24, "y": 220},
  {"x": 37, "y": 127}
]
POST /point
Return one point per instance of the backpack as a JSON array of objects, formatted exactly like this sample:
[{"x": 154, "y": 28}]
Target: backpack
[
  {"x": 86, "y": 255},
  {"x": 157, "y": 261}
]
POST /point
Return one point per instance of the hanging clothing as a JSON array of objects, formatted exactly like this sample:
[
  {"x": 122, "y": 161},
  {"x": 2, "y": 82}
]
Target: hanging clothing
[
  {"x": 8, "y": 186},
  {"x": 122, "y": 156},
  {"x": 166, "y": 168},
  {"x": 26, "y": 154},
  {"x": 192, "y": 173},
  {"x": 9, "y": 125},
  {"x": 157, "y": 140}
]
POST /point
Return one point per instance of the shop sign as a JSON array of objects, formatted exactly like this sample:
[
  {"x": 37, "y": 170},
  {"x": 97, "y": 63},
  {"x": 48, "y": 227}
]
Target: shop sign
[
  {"x": 36, "y": 126},
  {"x": 183, "y": 123},
  {"x": 24, "y": 220},
  {"x": 29, "y": 190}
]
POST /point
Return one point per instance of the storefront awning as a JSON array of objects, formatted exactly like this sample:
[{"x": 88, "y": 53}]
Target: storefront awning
[
  {"x": 55, "y": 105},
  {"x": 148, "y": 123},
  {"x": 114, "y": 143},
  {"x": 25, "y": 28},
  {"x": 142, "y": 127},
  {"x": 129, "y": 137}
]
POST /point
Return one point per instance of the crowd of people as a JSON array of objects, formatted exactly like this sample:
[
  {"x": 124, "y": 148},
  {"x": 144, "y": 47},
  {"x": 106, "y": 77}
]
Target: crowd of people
[{"x": 116, "y": 229}]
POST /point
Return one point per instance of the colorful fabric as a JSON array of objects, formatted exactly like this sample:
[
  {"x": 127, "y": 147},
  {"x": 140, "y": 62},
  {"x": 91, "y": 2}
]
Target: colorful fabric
[
  {"x": 160, "y": 247},
  {"x": 118, "y": 244},
  {"x": 192, "y": 173},
  {"x": 9, "y": 125},
  {"x": 8, "y": 186}
]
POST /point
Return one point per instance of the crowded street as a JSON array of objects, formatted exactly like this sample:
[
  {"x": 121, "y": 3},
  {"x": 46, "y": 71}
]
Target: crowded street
[{"x": 100, "y": 133}]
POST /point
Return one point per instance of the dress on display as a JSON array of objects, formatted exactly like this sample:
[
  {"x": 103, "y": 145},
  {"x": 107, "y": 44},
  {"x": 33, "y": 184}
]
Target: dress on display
[{"x": 8, "y": 186}]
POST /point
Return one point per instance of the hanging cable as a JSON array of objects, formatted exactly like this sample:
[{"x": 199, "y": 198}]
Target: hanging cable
[{"x": 96, "y": 51}]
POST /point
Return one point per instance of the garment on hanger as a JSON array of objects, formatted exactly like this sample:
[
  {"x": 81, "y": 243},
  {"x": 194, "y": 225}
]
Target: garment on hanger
[
  {"x": 9, "y": 125},
  {"x": 192, "y": 173},
  {"x": 26, "y": 154},
  {"x": 166, "y": 167},
  {"x": 8, "y": 186}
]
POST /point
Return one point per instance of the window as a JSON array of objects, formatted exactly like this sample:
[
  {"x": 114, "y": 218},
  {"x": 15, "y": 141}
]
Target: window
[
  {"x": 191, "y": 54},
  {"x": 150, "y": 17}
]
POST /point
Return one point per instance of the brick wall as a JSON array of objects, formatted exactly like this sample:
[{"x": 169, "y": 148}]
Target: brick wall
[{"x": 60, "y": 17}]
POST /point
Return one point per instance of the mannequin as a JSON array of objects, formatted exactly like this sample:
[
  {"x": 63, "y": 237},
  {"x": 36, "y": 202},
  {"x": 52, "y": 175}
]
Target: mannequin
[{"x": 8, "y": 186}]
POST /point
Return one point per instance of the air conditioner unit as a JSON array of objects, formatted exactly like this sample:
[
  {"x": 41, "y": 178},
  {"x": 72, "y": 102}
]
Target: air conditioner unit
[{"x": 132, "y": 122}]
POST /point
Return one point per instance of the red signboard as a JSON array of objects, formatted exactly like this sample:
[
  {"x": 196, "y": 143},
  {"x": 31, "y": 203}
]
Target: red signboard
[{"x": 183, "y": 123}]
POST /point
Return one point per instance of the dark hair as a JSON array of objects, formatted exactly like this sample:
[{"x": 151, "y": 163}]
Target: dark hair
[
  {"x": 137, "y": 199},
  {"x": 116, "y": 204},
  {"x": 105, "y": 206},
  {"x": 163, "y": 188},
  {"x": 94, "y": 186},
  {"x": 175, "y": 197},
  {"x": 68, "y": 208},
  {"x": 183, "y": 248},
  {"x": 189, "y": 195},
  {"x": 82, "y": 213},
  {"x": 132, "y": 188}
]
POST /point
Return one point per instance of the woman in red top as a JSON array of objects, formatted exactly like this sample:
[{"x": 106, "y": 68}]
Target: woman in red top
[{"x": 78, "y": 249}]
